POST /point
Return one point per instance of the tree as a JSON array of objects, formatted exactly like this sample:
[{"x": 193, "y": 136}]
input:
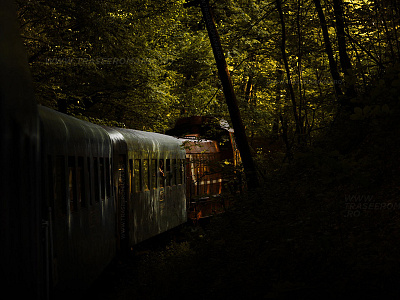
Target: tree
[
  {"x": 236, "y": 119},
  {"x": 286, "y": 64},
  {"x": 344, "y": 57},
  {"x": 104, "y": 60},
  {"x": 329, "y": 51}
]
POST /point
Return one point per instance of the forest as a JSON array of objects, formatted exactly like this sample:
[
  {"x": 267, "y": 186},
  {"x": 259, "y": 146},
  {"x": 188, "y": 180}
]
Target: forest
[
  {"x": 293, "y": 63},
  {"x": 317, "y": 84}
]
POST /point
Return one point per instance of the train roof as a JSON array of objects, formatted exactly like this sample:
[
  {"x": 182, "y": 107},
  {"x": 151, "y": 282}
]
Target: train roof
[
  {"x": 66, "y": 134},
  {"x": 69, "y": 134},
  {"x": 137, "y": 140}
]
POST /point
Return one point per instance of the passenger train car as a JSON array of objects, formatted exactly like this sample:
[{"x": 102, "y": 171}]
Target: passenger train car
[{"x": 105, "y": 189}]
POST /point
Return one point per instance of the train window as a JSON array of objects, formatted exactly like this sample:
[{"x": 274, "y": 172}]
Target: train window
[
  {"x": 108, "y": 178},
  {"x": 174, "y": 171},
  {"x": 138, "y": 175},
  {"x": 198, "y": 174},
  {"x": 102, "y": 178},
  {"x": 131, "y": 175},
  {"x": 72, "y": 184},
  {"x": 154, "y": 173},
  {"x": 146, "y": 173},
  {"x": 179, "y": 171},
  {"x": 206, "y": 173},
  {"x": 80, "y": 180},
  {"x": 59, "y": 183},
  {"x": 89, "y": 174},
  {"x": 161, "y": 172},
  {"x": 168, "y": 174},
  {"x": 183, "y": 169},
  {"x": 96, "y": 179}
]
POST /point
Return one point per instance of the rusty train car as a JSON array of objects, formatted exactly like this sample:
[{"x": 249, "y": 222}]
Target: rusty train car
[{"x": 209, "y": 145}]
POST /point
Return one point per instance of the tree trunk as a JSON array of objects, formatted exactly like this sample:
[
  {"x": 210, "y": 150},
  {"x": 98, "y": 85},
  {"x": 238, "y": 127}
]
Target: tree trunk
[
  {"x": 240, "y": 134},
  {"x": 285, "y": 61},
  {"x": 341, "y": 38},
  {"x": 328, "y": 49}
]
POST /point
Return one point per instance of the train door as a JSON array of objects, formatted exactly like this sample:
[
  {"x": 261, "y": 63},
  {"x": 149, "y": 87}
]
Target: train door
[{"x": 122, "y": 204}]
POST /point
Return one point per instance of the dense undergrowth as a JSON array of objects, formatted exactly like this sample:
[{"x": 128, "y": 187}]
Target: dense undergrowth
[{"x": 325, "y": 226}]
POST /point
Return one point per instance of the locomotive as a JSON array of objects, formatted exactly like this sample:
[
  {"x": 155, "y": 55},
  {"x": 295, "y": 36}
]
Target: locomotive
[
  {"x": 209, "y": 145},
  {"x": 74, "y": 194}
]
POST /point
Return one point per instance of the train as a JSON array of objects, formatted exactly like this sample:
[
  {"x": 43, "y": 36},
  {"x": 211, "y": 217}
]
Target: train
[
  {"x": 105, "y": 189},
  {"x": 210, "y": 145},
  {"x": 102, "y": 190},
  {"x": 75, "y": 194}
]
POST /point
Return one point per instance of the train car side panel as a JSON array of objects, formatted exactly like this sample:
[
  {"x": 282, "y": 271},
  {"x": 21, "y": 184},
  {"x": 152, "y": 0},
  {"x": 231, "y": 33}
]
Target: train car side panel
[
  {"x": 155, "y": 204},
  {"x": 80, "y": 196}
]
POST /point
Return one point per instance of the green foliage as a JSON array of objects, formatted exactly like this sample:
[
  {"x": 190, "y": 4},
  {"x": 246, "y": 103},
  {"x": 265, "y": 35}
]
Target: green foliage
[{"x": 147, "y": 63}]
